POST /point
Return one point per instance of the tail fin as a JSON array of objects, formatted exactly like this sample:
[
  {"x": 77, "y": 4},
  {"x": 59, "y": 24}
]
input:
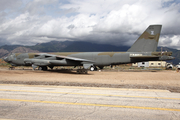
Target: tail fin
[{"x": 148, "y": 41}]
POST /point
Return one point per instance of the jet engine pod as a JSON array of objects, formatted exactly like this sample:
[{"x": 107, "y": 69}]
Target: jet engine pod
[{"x": 38, "y": 62}]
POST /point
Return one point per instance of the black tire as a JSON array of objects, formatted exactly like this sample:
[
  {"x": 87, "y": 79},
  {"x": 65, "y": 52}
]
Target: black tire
[
  {"x": 40, "y": 68},
  {"x": 44, "y": 68}
]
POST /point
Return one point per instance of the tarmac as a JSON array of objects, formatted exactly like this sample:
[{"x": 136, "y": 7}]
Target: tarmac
[{"x": 37, "y": 102}]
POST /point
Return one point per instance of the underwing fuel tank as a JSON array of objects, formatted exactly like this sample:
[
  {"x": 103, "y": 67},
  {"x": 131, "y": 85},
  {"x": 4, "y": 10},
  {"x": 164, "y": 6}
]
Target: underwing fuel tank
[{"x": 41, "y": 62}]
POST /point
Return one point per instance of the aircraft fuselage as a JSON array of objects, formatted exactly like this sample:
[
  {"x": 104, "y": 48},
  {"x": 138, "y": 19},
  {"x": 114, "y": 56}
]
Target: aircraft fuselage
[{"x": 97, "y": 58}]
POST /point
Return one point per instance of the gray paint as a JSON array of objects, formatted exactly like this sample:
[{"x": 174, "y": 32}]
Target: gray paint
[
  {"x": 148, "y": 41},
  {"x": 141, "y": 50}
]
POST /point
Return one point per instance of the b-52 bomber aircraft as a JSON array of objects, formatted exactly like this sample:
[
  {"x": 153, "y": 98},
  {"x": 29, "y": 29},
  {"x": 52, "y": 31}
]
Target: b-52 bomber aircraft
[{"x": 144, "y": 49}]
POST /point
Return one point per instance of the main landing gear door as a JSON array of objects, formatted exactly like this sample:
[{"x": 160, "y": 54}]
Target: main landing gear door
[{"x": 86, "y": 66}]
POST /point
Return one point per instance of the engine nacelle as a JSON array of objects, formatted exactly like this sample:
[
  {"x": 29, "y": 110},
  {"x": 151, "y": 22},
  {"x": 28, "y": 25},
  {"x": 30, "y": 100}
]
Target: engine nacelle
[
  {"x": 38, "y": 62},
  {"x": 41, "y": 62}
]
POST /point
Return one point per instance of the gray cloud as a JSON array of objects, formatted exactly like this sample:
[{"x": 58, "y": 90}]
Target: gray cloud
[
  {"x": 111, "y": 22},
  {"x": 4, "y": 42},
  {"x": 38, "y": 6},
  {"x": 9, "y": 4}
]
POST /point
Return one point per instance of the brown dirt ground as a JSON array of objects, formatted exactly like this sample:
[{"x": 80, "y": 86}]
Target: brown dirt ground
[{"x": 166, "y": 79}]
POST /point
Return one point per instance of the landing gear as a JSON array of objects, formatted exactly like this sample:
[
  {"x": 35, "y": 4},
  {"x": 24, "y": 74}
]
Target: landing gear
[
  {"x": 82, "y": 71},
  {"x": 42, "y": 68},
  {"x": 11, "y": 68},
  {"x": 39, "y": 68},
  {"x": 93, "y": 68},
  {"x": 101, "y": 67},
  {"x": 51, "y": 67}
]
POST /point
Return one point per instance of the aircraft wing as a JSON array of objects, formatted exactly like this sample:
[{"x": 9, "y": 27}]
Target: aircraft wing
[
  {"x": 61, "y": 57},
  {"x": 74, "y": 59},
  {"x": 154, "y": 58},
  {"x": 51, "y": 59},
  {"x": 86, "y": 63}
]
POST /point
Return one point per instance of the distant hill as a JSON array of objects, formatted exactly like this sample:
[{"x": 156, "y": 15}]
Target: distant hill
[
  {"x": 68, "y": 46},
  {"x": 10, "y": 47},
  {"x": 74, "y": 46},
  {"x": 24, "y": 50},
  {"x": 4, "y": 52},
  {"x": 92, "y": 47},
  {"x": 53, "y": 46}
]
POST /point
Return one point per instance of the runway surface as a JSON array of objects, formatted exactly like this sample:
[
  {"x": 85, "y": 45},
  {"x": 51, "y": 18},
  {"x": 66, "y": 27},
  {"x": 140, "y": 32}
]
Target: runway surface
[{"x": 23, "y": 102}]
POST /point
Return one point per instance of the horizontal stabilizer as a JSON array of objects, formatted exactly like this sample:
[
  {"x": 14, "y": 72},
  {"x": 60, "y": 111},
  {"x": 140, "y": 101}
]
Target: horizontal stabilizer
[
  {"x": 145, "y": 58},
  {"x": 141, "y": 57}
]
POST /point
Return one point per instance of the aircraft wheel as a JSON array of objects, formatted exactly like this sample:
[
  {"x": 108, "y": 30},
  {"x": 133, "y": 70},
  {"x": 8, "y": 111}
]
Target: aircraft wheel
[
  {"x": 44, "y": 68},
  {"x": 40, "y": 68},
  {"x": 78, "y": 71},
  {"x": 11, "y": 68},
  {"x": 85, "y": 72},
  {"x": 92, "y": 68}
]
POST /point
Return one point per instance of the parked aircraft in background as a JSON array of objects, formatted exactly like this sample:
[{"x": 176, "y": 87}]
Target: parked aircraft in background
[{"x": 144, "y": 49}]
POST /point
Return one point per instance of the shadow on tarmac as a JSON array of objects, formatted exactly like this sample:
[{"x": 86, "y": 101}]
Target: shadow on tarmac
[
  {"x": 63, "y": 71},
  {"x": 67, "y": 71}
]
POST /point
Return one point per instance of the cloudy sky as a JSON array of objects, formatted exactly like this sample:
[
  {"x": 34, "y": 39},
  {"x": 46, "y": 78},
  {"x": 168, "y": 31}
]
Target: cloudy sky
[{"x": 116, "y": 22}]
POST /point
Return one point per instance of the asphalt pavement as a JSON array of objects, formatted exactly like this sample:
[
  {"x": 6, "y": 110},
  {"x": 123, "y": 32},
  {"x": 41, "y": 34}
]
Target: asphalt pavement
[{"x": 27, "y": 102}]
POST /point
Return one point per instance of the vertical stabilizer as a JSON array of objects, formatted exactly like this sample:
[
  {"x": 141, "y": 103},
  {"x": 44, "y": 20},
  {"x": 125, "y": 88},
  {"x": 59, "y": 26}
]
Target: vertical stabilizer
[{"x": 148, "y": 41}]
